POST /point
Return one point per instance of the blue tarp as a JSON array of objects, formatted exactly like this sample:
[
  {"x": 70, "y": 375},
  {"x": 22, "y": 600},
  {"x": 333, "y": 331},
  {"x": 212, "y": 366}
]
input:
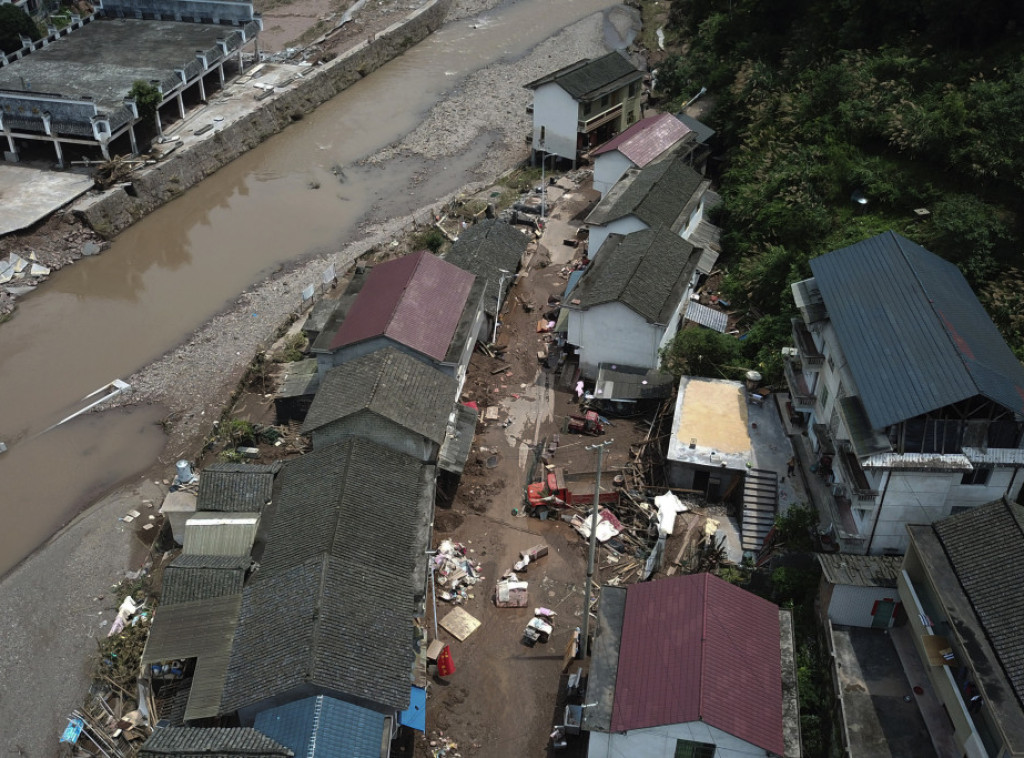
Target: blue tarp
[
  {"x": 415, "y": 716},
  {"x": 73, "y": 731}
]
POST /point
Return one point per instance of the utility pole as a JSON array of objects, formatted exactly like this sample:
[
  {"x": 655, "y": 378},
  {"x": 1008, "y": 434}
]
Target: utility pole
[
  {"x": 599, "y": 447},
  {"x": 497, "y": 308}
]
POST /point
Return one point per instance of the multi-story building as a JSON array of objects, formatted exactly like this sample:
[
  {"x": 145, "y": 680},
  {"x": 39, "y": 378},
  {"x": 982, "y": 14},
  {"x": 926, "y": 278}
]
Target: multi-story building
[
  {"x": 584, "y": 105},
  {"x": 912, "y": 400}
]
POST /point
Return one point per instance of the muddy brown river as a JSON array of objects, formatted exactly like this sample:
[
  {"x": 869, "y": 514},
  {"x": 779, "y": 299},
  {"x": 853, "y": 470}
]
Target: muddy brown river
[{"x": 106, "y": 317}]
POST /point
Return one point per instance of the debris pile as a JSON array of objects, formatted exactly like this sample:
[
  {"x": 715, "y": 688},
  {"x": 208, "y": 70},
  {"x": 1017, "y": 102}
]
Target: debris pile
[{"x": 454, "y": 573}]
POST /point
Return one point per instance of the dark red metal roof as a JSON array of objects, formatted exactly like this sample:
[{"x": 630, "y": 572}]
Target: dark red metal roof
[
  {"x": 647, "y": 138},
  {"x": 416, "y": 300},
  {"x": 696, "y": 648}
]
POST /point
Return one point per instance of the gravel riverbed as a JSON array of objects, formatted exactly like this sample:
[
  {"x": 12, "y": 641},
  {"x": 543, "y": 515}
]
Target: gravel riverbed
[{"x": 58, "y": 601}]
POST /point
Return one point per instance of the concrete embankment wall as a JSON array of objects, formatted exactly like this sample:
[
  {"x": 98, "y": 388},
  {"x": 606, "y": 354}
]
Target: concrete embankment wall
[{"x": 116, "y": 210}]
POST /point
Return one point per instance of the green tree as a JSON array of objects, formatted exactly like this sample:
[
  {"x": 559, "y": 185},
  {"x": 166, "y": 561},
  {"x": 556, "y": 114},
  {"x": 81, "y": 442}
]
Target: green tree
[
  {"x": 700, "y": 352},
  {"x": 15, "y": 22},
  {"x": 147, "y": 99}
]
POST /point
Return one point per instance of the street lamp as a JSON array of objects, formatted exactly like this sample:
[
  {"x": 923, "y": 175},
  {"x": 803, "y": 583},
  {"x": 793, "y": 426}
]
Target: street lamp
[
  {"x": 599, "y": 447},
  {"x": 497, "y": 310}
]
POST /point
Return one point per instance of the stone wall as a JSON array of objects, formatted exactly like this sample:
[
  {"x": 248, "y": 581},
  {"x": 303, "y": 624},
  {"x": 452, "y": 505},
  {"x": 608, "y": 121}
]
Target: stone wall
[{"x": 116, "y": 210}]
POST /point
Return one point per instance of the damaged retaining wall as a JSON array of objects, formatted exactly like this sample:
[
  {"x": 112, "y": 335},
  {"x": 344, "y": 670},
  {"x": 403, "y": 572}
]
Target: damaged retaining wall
[{"x": 117, "y": 210}]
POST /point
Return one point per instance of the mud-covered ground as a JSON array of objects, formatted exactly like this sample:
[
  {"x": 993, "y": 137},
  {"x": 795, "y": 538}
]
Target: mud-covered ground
[{"x": 56, "y": 603}]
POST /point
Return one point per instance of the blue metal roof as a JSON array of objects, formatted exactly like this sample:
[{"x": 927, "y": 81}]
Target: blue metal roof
[
  {"x": 912, "y": 331},
  {"x": 323, "y": 727},
  {"x": 415, "y": 716}
]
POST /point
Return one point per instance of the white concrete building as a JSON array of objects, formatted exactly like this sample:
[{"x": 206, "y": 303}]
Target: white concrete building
[
  {"x": 914, "y": 404},
  {"x": 667, "y": 192},
  {"x": 629, "y": 303},
  {"x": 640, "y": 144},
  {"x": 585, "y": 104}
]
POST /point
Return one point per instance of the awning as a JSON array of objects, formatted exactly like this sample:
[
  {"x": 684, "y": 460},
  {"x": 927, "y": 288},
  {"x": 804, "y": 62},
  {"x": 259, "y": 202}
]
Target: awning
[
  {"x": 709, "y": 317},
  {"x": 628, "y": 383},
  {"x": 457, "y": 443},
  {"x": 415, "y": 716}
]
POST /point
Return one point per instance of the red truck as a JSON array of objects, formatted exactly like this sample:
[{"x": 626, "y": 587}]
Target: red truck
[{"x": 553, "y": 492}]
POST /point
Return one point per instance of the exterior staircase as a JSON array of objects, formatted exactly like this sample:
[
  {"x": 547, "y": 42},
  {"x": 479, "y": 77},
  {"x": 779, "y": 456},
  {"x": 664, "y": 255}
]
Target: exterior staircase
[{"x": 760, "y": 504}]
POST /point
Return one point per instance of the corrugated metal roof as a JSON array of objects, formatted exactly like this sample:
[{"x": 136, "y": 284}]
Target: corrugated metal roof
[
  {"x": 416, "y": 300},
  {"x": 220, "y": 533},
  {"x": 199, "y": 577},
  {"x": 618, "y": 382},
  {"x": 985, "y": 546},
  {"x": 236, "y": 487},
  {"x": 604, "y": 659},
  {"x": 994, "y": 456},
  {"x": 587, "y": 79},
  {"x": 913, "y": 333},
  {"x": 455, "y": 450},
  {"x": 325, "y": 727},
  {"x": 656, "y": 194},
  {"x": 388, "y": 383},
  {"x": 703, "y": 131},
  {"x": 211, "y": 742},
  {"x": 712, "y": 318},
  {"x": 696, "y": 648},
  {"x": 203, "y": 629},
  {"x": 860, "y": 570},
  {"x": 647, "y": 271},
  {"x": 646, "y": 139}
]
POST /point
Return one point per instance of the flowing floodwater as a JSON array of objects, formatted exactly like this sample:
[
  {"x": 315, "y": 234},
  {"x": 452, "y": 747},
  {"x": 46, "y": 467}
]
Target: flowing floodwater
[{"x": 108, "y": 316}]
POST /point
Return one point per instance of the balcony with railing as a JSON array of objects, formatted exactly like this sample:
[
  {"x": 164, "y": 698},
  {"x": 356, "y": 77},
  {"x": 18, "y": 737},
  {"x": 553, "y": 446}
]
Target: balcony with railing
[
  {"x": 852, "y": 474},
  {"x": 585, "y": 126},
  {"x": 809, "y": 354},
  {"x": 802, "y": 397}
]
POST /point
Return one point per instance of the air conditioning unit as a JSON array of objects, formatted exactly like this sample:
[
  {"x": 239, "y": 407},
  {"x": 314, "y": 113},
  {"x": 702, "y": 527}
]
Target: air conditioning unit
[{"x": 789, "y": 352}]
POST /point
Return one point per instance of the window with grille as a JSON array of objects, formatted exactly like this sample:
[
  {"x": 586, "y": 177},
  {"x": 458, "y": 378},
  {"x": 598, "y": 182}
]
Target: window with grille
[{"x": 690, "y": 749}]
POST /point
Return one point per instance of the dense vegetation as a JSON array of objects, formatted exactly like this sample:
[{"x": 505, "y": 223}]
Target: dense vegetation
[
  {"x": 14, "y": 22},
  {"x": 904, "y": 105}
]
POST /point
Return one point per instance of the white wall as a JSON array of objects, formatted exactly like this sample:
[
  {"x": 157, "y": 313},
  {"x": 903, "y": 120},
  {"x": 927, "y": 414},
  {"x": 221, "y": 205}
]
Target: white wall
[
  {"x": 608, "y": 169},
  {"x": 852, "y": 605},
  {"x": 623, "y": 226},
  {"x": 696, "y": 216},
  {"x": 556, "y": 111},
  {"x": 660, "y": 742},
  {"x": 613, "y": 333}
]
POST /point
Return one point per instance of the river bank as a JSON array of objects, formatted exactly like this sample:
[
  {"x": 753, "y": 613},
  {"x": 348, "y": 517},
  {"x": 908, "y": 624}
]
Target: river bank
[{"x": 56, "y": 602}]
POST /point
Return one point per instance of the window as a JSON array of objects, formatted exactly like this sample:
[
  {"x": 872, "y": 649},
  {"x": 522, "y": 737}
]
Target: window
[
  {"x": 831, "y": 363},
  {"x": 978, "y": 476},
  {"x": 633, "y": 88},
  {"x": 605, "y": 100},
  {"x": 630, "y": 117},
  {"x": 688, "y": 749},
  {"x": 542, "y": 131},
  {"x": 587, "y": 107},
  {"x": 823, "y": 397}
]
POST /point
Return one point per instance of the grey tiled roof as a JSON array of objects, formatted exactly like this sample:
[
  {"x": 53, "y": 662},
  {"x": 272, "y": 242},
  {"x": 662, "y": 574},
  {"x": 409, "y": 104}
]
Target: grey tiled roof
[
  {"x": 355, "y": 500},
  {"x": 337, "y": 626},
  {"x": 985, "y": 546},
  {"x": 197, "y": 577},
  {"x": 340, "y": 582},
  {"x": 588, "y": 79},
  {"x": 484, "y": 249},
  {"x": 656, "y": 194},
  {"x": 391, "y": 384},
  {"x": 186, "y": 742},
  {"x": 236, "y": 487},
  {"x": 913, "y": 333},
  {"x": 647, "y": 271}
]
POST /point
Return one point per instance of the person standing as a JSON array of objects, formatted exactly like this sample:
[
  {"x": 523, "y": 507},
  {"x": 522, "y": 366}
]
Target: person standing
[{"x": 791, "y": 465}]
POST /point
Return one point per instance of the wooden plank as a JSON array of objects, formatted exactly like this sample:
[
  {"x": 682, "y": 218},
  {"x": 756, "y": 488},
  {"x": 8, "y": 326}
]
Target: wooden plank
[{"x": 460, "y": 624}]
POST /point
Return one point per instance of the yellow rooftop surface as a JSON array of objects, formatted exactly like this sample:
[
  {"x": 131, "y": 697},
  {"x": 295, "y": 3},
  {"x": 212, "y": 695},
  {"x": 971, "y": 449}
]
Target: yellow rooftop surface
[{"x": 714, "y": 414}]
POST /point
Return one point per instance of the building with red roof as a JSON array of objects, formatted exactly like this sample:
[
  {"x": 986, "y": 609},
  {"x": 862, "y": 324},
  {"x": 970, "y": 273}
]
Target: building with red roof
[
  {"x": 636, "y": 147},
  {"x": 418, "y": 303},
  {"x": 691, "y": 666}
]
